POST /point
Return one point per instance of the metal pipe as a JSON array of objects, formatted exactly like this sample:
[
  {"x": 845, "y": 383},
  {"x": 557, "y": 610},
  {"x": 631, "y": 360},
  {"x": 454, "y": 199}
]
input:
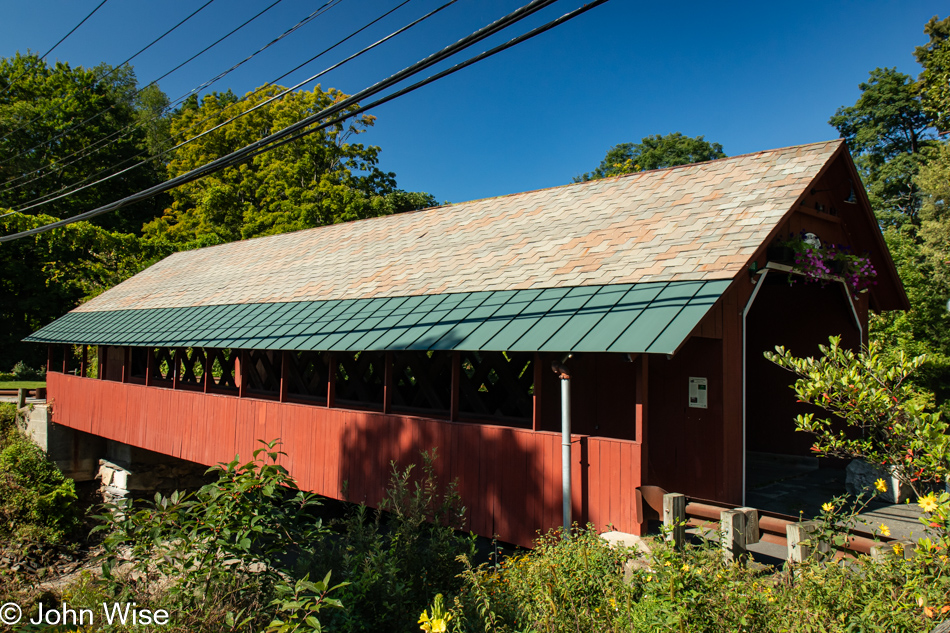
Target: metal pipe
[
  {"x": 565, "y": 376},
  {"x": 566, "y": 452}
]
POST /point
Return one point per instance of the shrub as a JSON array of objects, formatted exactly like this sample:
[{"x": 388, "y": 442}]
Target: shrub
[
  {"x": 578, "y": 585},
  {"x": 398, "y": 558},
  {"x": 37, "y": 502},
  {"x": 22, "y": 372},
  {"x": 219, "y": 555}
]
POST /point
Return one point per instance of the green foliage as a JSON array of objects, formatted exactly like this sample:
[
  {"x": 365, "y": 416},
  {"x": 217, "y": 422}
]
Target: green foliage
[
  {"x": 223, "y": 550},
  {"x": 48, "y": 113},
  {"x": 935, "y": 78},
  {"x": 321, "y": 179},
  {"x": 889, "y": 134},
  {"x": 300, "y": 603},
  {"x": 43, "y": 276},
  {"x": 37, "y": 503},
  {"x": 578, "y": 584},
  {"x": 398, "y": 560},
  {"x": 892, "y": 423},
  {"x": 654, "y": 152}
]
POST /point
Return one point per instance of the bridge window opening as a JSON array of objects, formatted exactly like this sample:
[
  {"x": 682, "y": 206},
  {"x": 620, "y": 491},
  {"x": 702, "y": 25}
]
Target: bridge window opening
[
  {"x": 360, "y": 379},
  {"x": 422, "y": 382},
  {"x": 263, "y": 372},
  {"x": 221, "y": 364},
  {"x": 307, "y": 375},
  {"x": 497, "y": 387}
]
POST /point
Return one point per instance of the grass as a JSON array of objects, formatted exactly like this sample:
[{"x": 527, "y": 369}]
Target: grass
[{"x": 21, "y": 384}]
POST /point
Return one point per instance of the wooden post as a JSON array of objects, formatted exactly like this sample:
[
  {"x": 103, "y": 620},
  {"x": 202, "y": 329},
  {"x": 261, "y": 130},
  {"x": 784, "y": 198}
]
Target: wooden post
[
  {"x": 331, "y": 380},
  {"x": 674, "y": 518},
  {"x": 207, "y": 379},
  {"x": 456, "y": 386},
  {"x": 795, "y": 533},
  {"x": 83, "y": 361},
  {"x": 284, "y": 379},
  {"x": 20, "y": 398},
  {"x": 66, "y": 350},
  {"x": 176, "y": 366},
  {"x": 536, "y": 397},
  {"x": 102, "y": 355},
  {"x": 150, "y": 366},
  {"x": 49, "y": 358},
  {"x": 388, "y": 369},
  {"x": 894, "y": 549},
  {"x": 733, "y": 527},
  {"x": 240, "y": 372},
  {"x": 126, "y": 364}
]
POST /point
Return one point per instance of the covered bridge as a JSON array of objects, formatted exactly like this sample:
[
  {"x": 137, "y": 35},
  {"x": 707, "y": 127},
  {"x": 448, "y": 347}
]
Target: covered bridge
[{"x": 366, "y": 342}]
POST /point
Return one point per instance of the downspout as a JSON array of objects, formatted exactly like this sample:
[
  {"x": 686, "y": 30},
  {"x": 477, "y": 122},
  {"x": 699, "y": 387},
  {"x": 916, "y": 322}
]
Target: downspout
[{"x": 565, "y": 377}]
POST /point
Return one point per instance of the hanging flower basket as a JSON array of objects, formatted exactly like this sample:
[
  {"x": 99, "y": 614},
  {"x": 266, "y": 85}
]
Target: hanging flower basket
[{"x": 817, "y": 262}]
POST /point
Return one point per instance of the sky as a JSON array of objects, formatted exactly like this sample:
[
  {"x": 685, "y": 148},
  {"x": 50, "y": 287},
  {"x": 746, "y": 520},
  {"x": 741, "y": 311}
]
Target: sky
[{"x": 751, "y": 76}]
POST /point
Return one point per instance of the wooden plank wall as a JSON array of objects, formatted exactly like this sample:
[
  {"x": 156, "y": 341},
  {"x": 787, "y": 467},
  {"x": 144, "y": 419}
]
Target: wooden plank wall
[{"x": 509, "y": 479}]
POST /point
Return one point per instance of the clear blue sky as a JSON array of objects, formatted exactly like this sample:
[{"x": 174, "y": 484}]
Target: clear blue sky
[{"x": 750, "y": 76}]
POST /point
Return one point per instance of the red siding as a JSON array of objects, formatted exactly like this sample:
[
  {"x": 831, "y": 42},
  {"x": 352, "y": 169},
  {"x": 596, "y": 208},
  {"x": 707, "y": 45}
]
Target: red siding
[{"x": 509, "y": 479}]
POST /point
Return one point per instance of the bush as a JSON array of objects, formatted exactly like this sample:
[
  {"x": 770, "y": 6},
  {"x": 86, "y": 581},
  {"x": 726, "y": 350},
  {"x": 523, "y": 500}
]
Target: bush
[
  {"x": 398, "y": 558},
  {"x": 37, "y": 502},
  {"x": 22, "y": 372},
  {"x": 219, "y": 555},
  {"x": 578, "y": 585}
]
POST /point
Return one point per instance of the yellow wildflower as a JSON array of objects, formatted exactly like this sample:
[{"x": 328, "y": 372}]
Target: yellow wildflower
[
  {"x": 667, "y": 564},
  {"x": 827, "y": 506},
  {"x": 928, "y": 503},
  {"x": 685, "y": 567},
  {"x": 439, "y": 620},
  {"x": 884, "y": 530},
  {"x": 898, "y": 549},
  {"x": 881, "y": 485}
]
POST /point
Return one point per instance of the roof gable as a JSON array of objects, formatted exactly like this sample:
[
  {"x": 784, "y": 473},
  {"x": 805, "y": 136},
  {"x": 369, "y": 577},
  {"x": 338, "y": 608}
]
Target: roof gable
[{"x": 695, "y": 222}]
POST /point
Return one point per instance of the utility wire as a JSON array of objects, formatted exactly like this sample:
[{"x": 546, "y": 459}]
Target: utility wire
[
  {"x": 269, "y": 142},
  {"x": 93, "y": 148},
  {"x": 51, "y": 197},
  {"x": 108, "y": 74},
  {"x": 62, "y": 39}
]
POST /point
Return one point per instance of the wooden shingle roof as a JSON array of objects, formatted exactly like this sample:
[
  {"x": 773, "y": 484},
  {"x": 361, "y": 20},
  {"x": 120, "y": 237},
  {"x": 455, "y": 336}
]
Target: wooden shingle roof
[{"x": 697, "y": 222}]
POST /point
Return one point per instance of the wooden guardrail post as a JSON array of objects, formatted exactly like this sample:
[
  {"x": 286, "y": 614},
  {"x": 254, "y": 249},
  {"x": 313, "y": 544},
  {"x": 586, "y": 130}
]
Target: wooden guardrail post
[
  {"x": 798, "y": 532},
  {"x": 740, "y": 528},
  {"x": 732, "y": 525},
  {"x": 20, "y": 398},
  {"x": 674, "y": 518},
  {"x": 896, "y": 549}
]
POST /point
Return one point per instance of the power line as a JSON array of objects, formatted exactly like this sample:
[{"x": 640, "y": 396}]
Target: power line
[
  {"x": 108, "y": 74},
  {"x": 52, "y": 197},
  {"x": 98, "y": 145},
  {"x": 271, "y": 141},
  {"x": 88, "y": 150},
  {"x": 61, "y": 40}
]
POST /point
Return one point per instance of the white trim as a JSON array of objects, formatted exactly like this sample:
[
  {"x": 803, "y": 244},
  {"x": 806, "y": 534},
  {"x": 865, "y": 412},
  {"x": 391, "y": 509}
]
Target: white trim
[{"x": 745, "y": 312}]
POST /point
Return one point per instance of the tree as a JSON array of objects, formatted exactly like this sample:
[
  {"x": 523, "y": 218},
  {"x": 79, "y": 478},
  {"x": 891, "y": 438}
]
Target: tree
[
  {"x": 889, "y": 133},
  {"x": 320, "y": 179},
  {"x": 935, "y": 78},
  {"x": 654, "y": 152},
  {"x": 43, "y": 276},
  {"x": 60, "y": 126}
]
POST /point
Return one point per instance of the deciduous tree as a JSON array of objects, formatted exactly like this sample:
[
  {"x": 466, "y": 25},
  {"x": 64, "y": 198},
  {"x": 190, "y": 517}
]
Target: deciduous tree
[
  {"x": 319, "y": 179},
  {"x": 654, "y": 152}
]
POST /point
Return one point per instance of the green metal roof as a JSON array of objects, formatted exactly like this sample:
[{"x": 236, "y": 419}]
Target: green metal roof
[{"x": 650, "y": 317}]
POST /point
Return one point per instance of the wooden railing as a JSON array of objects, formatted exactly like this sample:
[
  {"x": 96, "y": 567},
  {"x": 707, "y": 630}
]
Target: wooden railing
[{"x": 739, "y": 527}]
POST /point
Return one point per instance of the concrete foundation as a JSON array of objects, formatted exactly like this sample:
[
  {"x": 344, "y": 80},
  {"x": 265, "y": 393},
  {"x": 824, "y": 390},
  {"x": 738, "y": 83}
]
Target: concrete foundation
[{"x": 75, "y": 453}]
